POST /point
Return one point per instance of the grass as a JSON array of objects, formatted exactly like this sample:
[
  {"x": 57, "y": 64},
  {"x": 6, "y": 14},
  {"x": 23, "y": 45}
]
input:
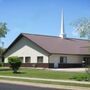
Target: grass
[{"x": 43, "y": 73}]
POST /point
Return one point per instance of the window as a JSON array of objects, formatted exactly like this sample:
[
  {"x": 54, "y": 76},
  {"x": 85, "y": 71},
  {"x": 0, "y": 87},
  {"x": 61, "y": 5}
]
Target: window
[
  {"x": 63, "y": 59},
  {"x": 27, "y": 59},
  {"x": 40, "y": 59},
  {"x": 21, "y": 59}
]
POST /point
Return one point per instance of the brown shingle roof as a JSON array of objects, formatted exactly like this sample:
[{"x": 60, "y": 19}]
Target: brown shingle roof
[{"x": 54, "y": 44}]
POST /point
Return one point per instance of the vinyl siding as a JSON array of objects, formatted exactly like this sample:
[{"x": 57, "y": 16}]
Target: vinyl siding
[{"x": 25, "y": 48}]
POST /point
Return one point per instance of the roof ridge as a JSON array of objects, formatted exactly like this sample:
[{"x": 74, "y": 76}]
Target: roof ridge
[
  {"x": 56, "y": 37},
  {"x": 65, "y": 46},
  {"x": 41, "y": 35},
  {"x": 79, "y": 39}
]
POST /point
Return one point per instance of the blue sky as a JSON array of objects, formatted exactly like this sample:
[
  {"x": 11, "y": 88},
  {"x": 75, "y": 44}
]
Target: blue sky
[{"x": 40, "y": 16}]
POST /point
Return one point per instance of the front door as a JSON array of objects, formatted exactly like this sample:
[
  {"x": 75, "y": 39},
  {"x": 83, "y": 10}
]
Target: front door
[
  {"x": 87, "y": 60},
  {"x": 56, "y": 65},
  {"x": 63, "y": 59}
]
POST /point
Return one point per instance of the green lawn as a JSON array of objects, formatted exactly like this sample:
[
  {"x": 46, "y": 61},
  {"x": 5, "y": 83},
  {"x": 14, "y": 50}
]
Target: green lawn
[{"x": 43, "y": 73}]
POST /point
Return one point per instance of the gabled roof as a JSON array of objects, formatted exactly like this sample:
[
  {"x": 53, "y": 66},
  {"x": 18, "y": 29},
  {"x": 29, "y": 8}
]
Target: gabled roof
[{"x": 57, "y": 45}]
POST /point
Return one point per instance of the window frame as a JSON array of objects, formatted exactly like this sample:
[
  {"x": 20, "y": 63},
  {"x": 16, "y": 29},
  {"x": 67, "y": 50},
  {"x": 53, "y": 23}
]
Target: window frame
[
  {"x": 29, "y": 59},
  {"x": 39, "y": 58}
]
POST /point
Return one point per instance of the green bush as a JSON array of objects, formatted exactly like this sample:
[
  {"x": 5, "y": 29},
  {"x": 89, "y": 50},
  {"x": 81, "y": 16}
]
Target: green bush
[
  {"x": 0, "y": 64},
  {"x": 15, "y": 63},
  {"x": 81, "y": 78}
]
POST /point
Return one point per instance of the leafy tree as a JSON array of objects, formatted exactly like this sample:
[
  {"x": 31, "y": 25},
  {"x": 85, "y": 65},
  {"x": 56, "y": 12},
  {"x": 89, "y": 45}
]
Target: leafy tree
[
  {"x": 82, "y": 26},
  {"x": 15, "y": 63},
  {"x": 3, "y": 32},
  {"x": 3, "y": 29},
  {"x": 1, "y": 50}
]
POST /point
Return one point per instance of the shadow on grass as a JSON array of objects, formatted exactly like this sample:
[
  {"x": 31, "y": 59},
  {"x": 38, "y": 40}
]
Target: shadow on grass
[
  {"x": 19, "y": 72},
  {"x": 8, "y": 69},
  {"x": 5, "y": 69}
]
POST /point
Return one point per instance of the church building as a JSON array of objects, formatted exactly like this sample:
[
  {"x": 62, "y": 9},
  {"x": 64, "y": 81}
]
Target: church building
[{"x": 49, "y": 51}]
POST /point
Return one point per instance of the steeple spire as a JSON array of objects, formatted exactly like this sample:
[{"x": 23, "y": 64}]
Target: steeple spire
[{"x": 62, "y": 35}]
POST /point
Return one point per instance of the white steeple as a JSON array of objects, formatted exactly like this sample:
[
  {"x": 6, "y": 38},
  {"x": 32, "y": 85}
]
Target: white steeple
[{"x": 62, "y": 34}]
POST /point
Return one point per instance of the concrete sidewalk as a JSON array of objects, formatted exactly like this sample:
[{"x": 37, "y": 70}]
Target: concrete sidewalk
[
  {"x": 69, "y": 69},
  {"x": 42, "y": 79},
  {"x": 45, "y": 85}
]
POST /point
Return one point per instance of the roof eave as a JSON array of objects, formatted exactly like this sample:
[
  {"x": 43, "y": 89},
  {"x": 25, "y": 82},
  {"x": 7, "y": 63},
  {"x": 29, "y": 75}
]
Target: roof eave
[
  {"x": 70, "y": 54},
  {"x": 18, "y": 38}
]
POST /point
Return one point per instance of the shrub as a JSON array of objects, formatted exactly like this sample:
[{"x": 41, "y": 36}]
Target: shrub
[
  {"x": 15, "y": 63},
  {"x": 0, "y": 64},
  {"x": 88, "y": 72},
  {"x": 81, "y": 77}
]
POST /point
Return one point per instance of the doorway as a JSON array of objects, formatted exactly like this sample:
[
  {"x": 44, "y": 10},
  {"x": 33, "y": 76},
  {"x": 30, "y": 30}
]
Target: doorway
[{"x": 86, "y": 60}]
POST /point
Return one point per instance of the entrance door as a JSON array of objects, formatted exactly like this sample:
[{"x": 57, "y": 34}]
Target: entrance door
[
  {"x": 63, "y": 60},
  {"x": 87, "y": 60},
  {"x": 55, "y": 65}
]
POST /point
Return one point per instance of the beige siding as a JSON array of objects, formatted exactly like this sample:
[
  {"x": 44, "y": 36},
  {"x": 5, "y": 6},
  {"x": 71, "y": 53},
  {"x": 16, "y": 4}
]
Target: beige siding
[
  {"x": 74, "y": 59},
  {"x": 25, "y": 48},
  {"x": 70, "y": 59}
]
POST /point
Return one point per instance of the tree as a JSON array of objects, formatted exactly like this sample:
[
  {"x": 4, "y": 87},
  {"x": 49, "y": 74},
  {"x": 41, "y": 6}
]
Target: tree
[
  {"x": 3, "y": 32},
  {"x": 15, "y": 63},
  {"x": 82, "y": 26},
  {"x": 3, "y": 29},
  {"x": 1, "y": 50}
]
